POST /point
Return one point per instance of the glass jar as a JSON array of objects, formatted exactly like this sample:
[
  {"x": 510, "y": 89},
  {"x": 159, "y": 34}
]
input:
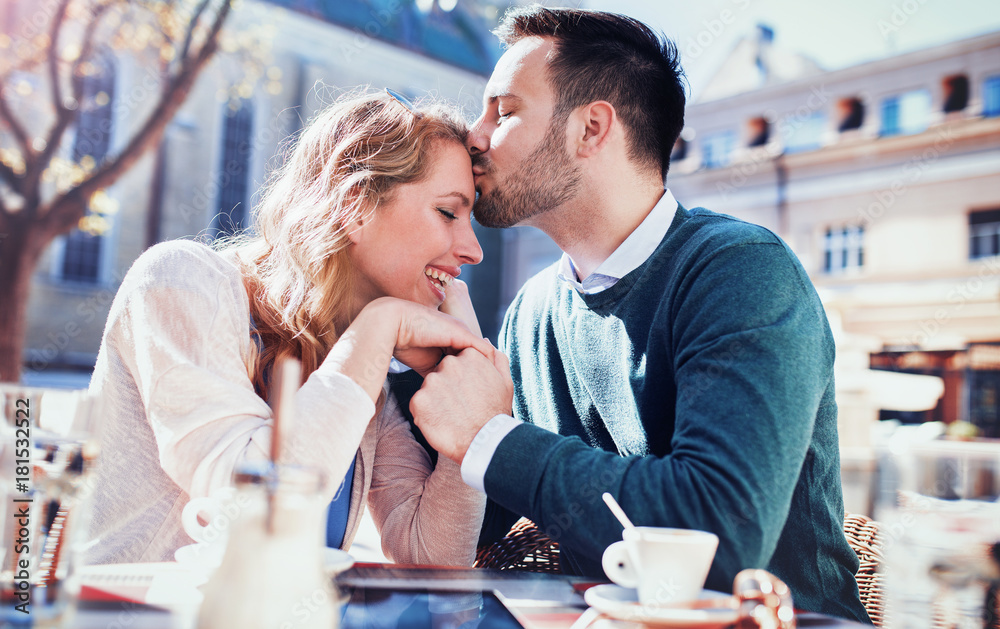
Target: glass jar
[{"x": 271, "y": 575}]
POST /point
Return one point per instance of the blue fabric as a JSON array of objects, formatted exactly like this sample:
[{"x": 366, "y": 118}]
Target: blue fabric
[
  {"x": 336, "y": 517},
  {"x": 698, "y": 390}
]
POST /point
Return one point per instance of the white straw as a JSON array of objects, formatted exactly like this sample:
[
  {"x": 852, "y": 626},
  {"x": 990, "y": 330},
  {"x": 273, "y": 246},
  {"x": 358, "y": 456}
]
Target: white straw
[
  {"x": 617, "y": 510},
  {"x": 285, "y": 380}
]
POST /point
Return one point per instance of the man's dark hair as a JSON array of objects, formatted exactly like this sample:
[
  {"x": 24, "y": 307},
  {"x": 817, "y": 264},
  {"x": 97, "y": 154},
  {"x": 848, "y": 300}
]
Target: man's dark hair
[{"x": 615, "y": 58}]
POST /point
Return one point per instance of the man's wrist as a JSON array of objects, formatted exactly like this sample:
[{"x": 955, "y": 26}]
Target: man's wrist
[{"x": 480, "y": 452}]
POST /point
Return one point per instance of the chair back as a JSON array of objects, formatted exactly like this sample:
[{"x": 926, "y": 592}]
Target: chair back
[
  {"x": 863, "y": 536},
  {"x": 524, "y": 547}
]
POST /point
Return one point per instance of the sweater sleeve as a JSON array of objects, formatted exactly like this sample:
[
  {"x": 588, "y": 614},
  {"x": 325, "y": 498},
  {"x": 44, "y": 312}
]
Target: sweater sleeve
[
  {"x": 747, "y": 342},
  {"x": 424, "y": 512},
  {"x": 183, "y": 334}
]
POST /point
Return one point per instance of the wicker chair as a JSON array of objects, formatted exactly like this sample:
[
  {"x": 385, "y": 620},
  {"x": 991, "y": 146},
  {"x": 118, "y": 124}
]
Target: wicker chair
[
  {"x": 524, "y": 547},
  {"x": 863, "y": 535}
]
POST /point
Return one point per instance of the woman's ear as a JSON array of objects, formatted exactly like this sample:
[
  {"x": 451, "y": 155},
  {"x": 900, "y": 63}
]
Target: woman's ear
[
  {"x": 357, "y": 220},
  {"x": 355, "y": 229}
]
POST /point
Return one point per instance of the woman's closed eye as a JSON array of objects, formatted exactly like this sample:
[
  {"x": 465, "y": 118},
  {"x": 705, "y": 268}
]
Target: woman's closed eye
[{"x": 448, "y": 214}]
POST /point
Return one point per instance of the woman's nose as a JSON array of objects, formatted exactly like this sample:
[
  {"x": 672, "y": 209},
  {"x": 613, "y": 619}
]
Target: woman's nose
[{"x": 467, "y": 247}]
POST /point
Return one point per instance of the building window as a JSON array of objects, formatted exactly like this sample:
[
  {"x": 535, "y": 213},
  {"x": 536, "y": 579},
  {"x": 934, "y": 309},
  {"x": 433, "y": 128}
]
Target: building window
[
  {"x": 718, "y": 148},
  {"x": 803, "y": 133},
  {"x": 956, "y": 93},
  {"x": 232, "y": 215},
  {"x": 758, "y": 131},
  {"x": 991, "y": 96},
  {"x": 984, "y": 234},
  {"x": 852, "y": 114},
  {"x": 906, "y": 114},
  {"x": 843, "y": 248},
  {"x": 982, "y": 372},
  {"x": 81, "y": 260}
]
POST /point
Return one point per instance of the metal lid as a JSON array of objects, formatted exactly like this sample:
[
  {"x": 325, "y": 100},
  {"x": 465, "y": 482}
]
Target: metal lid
[{"x": 267, "y": 474}]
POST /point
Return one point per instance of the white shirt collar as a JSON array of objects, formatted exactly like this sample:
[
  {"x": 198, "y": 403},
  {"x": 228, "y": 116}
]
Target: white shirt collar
[
  {"x": 629, "y": 255},
  {"x": 397, "y": 367}
]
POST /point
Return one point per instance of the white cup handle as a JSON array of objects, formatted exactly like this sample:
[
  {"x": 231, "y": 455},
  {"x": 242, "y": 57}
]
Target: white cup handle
[
  {"x": 618, "y": 565},
  {"x": 209, "y": 507}
]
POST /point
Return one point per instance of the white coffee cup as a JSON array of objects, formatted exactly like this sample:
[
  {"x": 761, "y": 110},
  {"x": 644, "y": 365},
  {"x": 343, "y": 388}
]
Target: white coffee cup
[
  {"x": 667, "y": 566},
  {"x": 206, "y": 519}
]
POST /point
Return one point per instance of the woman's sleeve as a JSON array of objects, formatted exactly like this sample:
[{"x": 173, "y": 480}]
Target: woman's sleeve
[
  {"x": 425, "y": 514},
  {"x": 184, "y": 336}
]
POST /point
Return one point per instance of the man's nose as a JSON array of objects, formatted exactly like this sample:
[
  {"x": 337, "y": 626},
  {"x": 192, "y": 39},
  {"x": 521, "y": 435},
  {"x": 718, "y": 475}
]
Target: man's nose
[{"x": 478, "y": 141}]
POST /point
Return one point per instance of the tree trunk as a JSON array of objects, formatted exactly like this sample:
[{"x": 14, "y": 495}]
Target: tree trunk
[{"x": 21, "y": 245}]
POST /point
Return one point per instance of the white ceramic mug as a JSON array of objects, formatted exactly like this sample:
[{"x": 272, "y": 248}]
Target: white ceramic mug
[
  {"x": 667, "y": 566},
  {"x": 206, "y": 519}
]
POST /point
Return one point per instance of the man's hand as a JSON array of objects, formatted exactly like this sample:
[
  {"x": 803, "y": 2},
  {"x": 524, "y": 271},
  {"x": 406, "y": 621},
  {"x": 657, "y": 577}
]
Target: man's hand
[{"x": 459, "y": 397}]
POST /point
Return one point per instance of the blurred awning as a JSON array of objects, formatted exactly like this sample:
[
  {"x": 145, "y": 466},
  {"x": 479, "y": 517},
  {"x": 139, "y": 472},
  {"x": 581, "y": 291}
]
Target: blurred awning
[
  {"x": 984, "y": 357},
  {"x": 921, "y": 314},
  {"x": 891, "y": 390}
]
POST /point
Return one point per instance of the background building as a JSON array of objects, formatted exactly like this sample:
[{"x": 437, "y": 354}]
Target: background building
[
  {"x": 885, "y": 180},
  {"x": 217, "y": 151}
]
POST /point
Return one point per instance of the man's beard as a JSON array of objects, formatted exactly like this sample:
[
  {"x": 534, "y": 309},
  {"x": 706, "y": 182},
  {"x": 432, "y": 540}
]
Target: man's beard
[{"x": 543, "y": 181}]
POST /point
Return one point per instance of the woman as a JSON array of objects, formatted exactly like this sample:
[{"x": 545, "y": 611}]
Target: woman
[{"x": 358, "y": 239}]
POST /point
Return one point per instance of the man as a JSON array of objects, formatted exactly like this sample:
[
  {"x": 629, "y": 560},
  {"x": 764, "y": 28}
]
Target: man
[{"x": 679, "y": 359}]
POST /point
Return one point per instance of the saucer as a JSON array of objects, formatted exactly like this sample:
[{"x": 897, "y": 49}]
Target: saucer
[
  {"x": 207, "y": 557},
  {"x": 200, "y": 556},
  {"x": 165, "y": 584},
  {"x": 336, "y": 561},
  {"x": 712, "y": 609}
]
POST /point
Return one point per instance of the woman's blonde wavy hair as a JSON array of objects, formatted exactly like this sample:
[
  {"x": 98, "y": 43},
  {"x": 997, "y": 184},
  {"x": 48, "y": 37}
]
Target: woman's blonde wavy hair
[{"x": 345, "y": 163}]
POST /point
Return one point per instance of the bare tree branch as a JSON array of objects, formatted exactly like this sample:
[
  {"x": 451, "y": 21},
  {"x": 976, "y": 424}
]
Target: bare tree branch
[
  {"x": 23, "y": 64},
  {"x": 57, "y": 23},
  {"x": 86, "y": 52},
  {"x": 64, "y": 117},
  {"x": 12, "y": 178},
  {"x": 192, "y": 25},
  {"x": 15, "y": 126},
  {"x": 67, "y": 209},
  {"x": 36, "y": 165},
  {"x": 30, "y": 227}
]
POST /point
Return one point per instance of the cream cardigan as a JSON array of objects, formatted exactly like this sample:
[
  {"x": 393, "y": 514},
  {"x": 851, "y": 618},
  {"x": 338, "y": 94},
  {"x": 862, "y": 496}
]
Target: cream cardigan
[{"x": 181, "y": 414}]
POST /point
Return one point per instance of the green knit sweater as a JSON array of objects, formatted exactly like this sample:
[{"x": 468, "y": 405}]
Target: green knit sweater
[{"x": 698, "y": 390}]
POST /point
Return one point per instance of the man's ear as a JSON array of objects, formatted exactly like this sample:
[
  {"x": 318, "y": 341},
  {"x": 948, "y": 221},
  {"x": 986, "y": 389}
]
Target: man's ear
[{"x": 595, "y": 123}]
